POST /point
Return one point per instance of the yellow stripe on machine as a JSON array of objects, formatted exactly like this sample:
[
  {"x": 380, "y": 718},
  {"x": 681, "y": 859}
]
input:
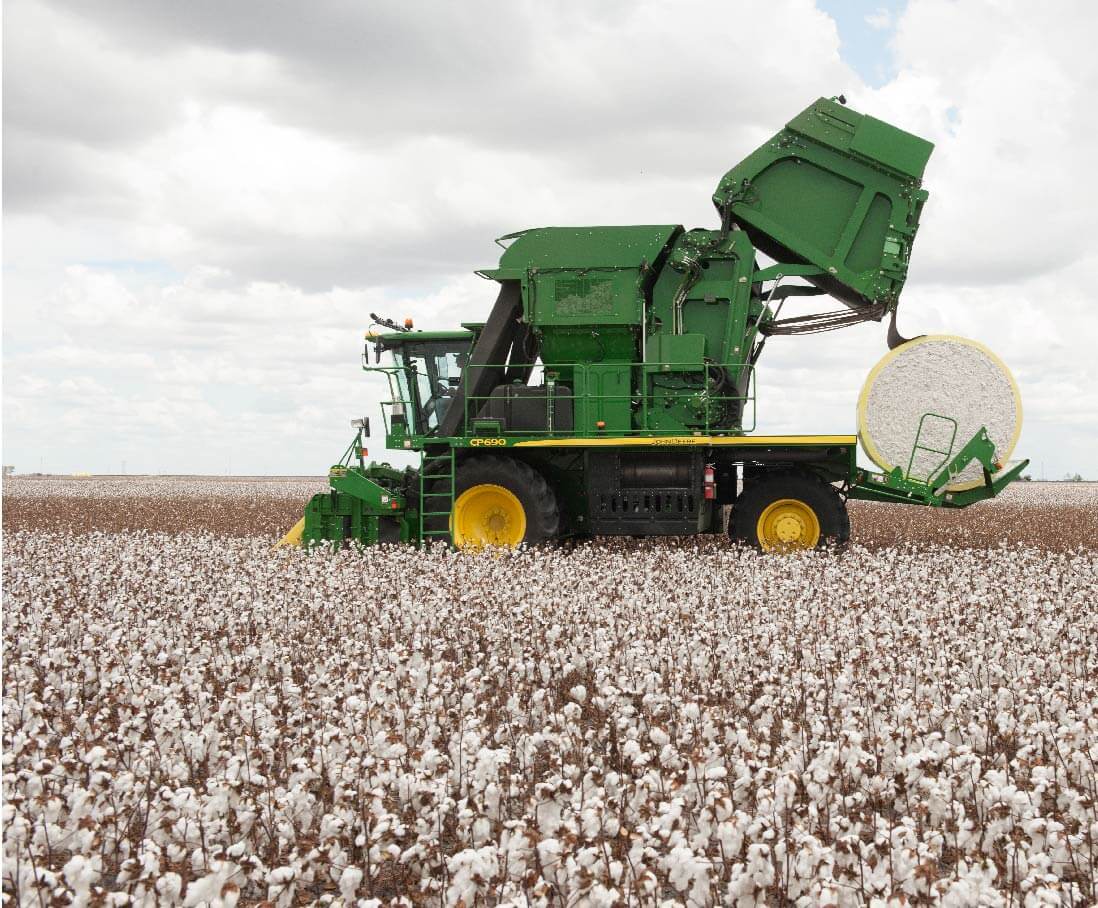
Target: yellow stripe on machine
[{"x": 666, "y": 441}]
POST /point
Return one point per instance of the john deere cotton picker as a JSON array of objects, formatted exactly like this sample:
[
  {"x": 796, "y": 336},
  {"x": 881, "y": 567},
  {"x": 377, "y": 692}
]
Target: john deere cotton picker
[{"x": 611, "y": 389}]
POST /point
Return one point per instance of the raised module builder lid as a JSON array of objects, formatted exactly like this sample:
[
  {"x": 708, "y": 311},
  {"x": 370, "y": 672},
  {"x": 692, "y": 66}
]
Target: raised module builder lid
[
  {"x": 838, "y": 190},
  {"x": 878, "y": 142}
]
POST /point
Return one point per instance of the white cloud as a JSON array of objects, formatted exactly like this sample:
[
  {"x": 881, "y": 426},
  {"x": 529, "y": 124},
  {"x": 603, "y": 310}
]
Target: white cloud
[
  {"x": 203, "y": 205},
  {"x": 186, "y": 375}
]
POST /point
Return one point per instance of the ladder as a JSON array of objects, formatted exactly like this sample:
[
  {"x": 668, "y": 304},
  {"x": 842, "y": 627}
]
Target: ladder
[
  {"x": 919, "y": 446},
  {"x": 437, "y": 481}
]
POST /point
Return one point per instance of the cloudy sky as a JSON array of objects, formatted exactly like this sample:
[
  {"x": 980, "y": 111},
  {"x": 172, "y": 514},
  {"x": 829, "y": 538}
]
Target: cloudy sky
[{"x": 203, "y": 200}]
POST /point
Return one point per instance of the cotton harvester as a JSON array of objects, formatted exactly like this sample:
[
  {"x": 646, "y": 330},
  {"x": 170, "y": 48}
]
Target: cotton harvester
[{"x": 611, "y": 389}]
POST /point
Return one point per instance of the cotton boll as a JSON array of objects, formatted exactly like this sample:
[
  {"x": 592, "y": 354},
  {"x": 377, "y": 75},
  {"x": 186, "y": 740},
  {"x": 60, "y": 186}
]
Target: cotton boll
[
  {"x": 470, "y": 871},
  {"x": 281, "y": 886},
  {"x": 736, "y": 713},
  {"x": 482, "y": 828},
  {"x": 80, "y": 873},
  {"x": 349, "y": 881},
  {"x": 212, "y": 888},
  {"x": 95, "y": 756},
  {"x": 169, "y": 887}
]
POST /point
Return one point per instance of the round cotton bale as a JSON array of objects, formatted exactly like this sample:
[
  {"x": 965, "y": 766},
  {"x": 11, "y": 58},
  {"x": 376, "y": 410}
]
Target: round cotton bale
[{"x": 946, "y": 376}]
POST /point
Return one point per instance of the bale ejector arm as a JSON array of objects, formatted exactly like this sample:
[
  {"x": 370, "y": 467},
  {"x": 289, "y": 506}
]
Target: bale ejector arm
[{"x": 895, "y": 486}]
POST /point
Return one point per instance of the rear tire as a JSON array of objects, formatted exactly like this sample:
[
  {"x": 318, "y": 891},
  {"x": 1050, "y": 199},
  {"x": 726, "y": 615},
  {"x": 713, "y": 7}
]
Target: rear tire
[
  {"x": 502, "y": 501},
  {"x": 789, "y": 510}
]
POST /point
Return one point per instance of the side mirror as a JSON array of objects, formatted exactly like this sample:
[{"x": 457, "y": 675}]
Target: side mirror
[{"x": 363, "y": 424}]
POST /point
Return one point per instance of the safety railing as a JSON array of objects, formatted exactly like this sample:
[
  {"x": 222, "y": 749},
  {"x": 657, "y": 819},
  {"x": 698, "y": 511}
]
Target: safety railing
[
  {"x": 918, "y": 446},
  {"x": 583, "y": 400},
  {"x": 355, "y": 453},
  {"x": 400, "y": 402}
]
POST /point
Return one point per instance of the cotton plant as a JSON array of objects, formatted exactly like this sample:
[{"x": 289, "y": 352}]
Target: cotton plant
[{"x": 191, "y": 719}]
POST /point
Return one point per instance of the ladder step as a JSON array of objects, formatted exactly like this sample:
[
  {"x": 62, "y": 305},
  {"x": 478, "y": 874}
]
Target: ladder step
[{"x": 437, "y": 488}]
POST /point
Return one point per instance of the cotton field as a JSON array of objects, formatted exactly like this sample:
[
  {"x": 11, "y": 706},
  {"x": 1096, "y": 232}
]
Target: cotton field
[
  {"x": 192, "y": 718},
  {"x": 222, "y": 505}
]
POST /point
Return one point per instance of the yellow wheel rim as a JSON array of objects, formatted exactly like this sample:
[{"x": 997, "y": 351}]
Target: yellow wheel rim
[
  {"x": 788, "y": 525},
  {"x": 488, "y": 514}
]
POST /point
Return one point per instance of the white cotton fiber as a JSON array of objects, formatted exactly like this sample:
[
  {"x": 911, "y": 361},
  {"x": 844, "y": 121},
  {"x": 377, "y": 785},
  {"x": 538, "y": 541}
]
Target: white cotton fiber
[{"x": 950, "y": 376}]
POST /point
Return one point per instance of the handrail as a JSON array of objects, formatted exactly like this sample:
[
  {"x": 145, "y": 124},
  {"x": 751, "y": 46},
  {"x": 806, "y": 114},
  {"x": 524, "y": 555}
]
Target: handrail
[
  {"x": 354, "y": 451},
  {"x": 716, "y": 411},
  {"x": 916, "y": 447}
]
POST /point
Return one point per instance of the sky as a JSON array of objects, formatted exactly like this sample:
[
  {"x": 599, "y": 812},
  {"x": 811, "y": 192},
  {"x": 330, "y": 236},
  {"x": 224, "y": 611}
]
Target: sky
[{"x": 203, "y": 201}]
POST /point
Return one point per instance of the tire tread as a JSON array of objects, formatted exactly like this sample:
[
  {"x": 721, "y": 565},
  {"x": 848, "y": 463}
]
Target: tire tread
[
  {"x": 808, "y": 487},
  {"x": 539, "y": 500}
]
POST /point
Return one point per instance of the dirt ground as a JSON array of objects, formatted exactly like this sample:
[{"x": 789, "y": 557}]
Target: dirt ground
[{"x": 1054, "y": 516}]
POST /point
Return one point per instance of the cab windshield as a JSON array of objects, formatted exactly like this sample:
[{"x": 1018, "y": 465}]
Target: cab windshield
[{"x": 432, "y": 371}]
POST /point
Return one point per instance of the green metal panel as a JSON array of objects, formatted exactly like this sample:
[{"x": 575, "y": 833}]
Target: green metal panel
[
  {"x": 593, "y": 297},
  {"x": 679, "y": 353},
  {"x": 874, "y": 141},
  {"x": 587, "y": 247},
  {"x": 587, "y": 344},
  {"x": 391, "y": 339},
  {"x": 612, "y": 383},
  {"x": 836, "y": 189},
  {"x": 883, "y": 143}
]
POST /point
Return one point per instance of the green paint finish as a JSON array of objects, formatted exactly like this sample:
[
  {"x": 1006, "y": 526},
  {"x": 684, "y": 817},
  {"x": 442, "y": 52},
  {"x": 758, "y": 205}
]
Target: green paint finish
[
  {"x": 863, "y": 256},
  {"x": 366, "y": 504},
  {"x": 800, "y": 196},
  {"x": 594, "y": 276},
  {"x": 582, "y": 344},
  {"x": 898, "y": 487},
  {"x": 396, "y": 339},
  {"x": 649, "y": 336},
  {"x": 601, "y": 297},
  {"x": 882, "y": 143},
  {"x": 336, "y": 518},
  {"x": 610, "y": 387},
  {"x": 586, "y": 247},
  {"x": 838, "y": 190},
  {"x": 701, "y": 333}
]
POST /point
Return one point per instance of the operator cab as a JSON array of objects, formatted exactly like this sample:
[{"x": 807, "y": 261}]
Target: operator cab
[{"x": 426, "y": 375}]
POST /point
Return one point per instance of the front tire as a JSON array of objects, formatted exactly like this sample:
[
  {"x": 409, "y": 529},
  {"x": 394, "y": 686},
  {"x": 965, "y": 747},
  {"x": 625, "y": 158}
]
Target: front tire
[
  {"x": 789, "y": 511},
  {"x": 500, "y": 501}
]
